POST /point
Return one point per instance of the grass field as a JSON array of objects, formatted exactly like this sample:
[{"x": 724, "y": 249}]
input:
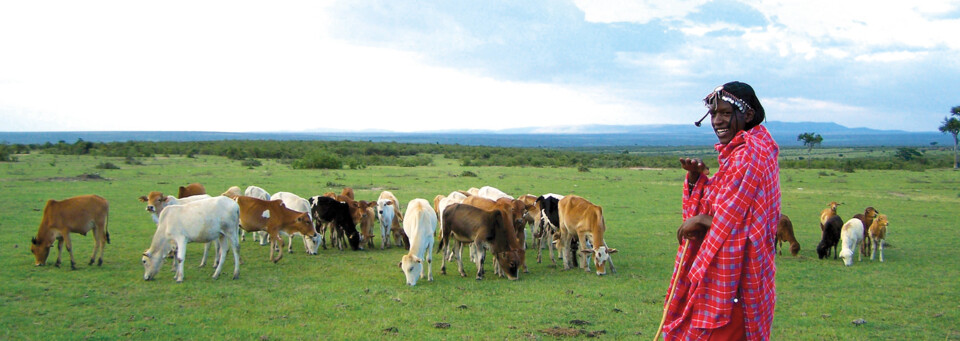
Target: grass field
[{"x": 915, "y": 294}]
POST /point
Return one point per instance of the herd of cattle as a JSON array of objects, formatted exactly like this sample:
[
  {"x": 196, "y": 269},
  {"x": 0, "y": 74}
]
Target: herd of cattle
[{"x": 481, "y": 218}]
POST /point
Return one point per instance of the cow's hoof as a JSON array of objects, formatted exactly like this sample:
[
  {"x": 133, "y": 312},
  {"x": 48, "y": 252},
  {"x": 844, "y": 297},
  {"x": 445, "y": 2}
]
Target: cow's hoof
[
  {"x": 100, "y": 262},
  {"x": 91, "y": 261},
  {"x": 57, "y": 264},
  {"x": 236, "y": 276},
  {"x": 479, "y": 278},
  {"x": 289, "y": 251},
  {"x": 73, "y": 266},
  {"x": 216, "y": 276}
]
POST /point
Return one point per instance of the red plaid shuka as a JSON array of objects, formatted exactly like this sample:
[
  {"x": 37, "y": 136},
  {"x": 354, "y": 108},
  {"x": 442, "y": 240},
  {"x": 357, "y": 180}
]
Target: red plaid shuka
[{"x": 735, "y": 258}]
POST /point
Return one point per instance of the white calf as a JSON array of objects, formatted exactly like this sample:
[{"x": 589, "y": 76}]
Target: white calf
[
  {"x": 201, "y": 221},
  {"x": 851, "y": 234},
  {"x": 420, "y": 224},
  {"x": 385, "y": 213}
]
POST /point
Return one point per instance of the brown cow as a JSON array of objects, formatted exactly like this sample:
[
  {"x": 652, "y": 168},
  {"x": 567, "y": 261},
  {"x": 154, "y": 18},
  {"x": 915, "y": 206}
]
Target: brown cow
[
  {"x": 513, "y": 209},
  {"x": 867, "y": 217},
  {"x": 273, "y": 217},
  {"x": 369, "y": 210},
  {"x": 785, "y": 234},
  {"x": 347, "y": 192},
  {"x": 191, "y": 189},
  {"x": 582, "y": 219},
  {"x": 487, "y": 230},
  {"x": 79, "y": 214}
]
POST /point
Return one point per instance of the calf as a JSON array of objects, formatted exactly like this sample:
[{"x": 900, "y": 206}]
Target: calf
[
  {"x": 200, "y": 221},
  {"x": 420, "y": 225},
  {"x": 272, "y": 216},
  {"x": 191, "y": 190},
  {"x": 78, "y": 214},
  {"x": 157, "y": 201},
  {"x": 866, "y": 218},
  {"x": 399, "y": 238},
  {"x": 328, "y": 210},
  {"x": 492, "y": 193},
  {"x": 785, "y": 234},
  {"x": 546, "y": 225},
  {"x": 829, "y": 237},
  {"x": 487, "y": 230},
  {"x": 369, "y": 210},
  {"x": 851, "y": 235},
  {"x": 296, "y": 203},
  {"x": 581, "y": 218},
  {"x": 878, "y": 233},
  {"x": 512, "y": 209},
  {"x": 259, "y": 193}
]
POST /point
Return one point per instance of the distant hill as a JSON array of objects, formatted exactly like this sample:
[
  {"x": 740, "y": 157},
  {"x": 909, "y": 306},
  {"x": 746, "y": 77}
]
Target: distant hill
[{"x": 551, "y": 137}]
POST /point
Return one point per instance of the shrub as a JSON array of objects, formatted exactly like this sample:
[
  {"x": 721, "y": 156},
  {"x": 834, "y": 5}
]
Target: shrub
[
  {"x": 468, "y": 174},
  {"x": 251, "y": 163},
  {"x": 132, "y": 161},
  {"x": 107, "y": 165},
  {"x": 583, "y": 169},
  {"x": 319, "y": 160}
]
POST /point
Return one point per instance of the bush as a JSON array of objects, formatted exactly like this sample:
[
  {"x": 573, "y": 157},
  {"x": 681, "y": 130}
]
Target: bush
[
  {"x": 251, "y": 163},
  {"x": 319, "y": 160},
  {"x": 132, "y": 161},
  {"x": 583, "y": 169},
  {"x": 107, "y": 165},
  {"x": 468, "y": 174}
]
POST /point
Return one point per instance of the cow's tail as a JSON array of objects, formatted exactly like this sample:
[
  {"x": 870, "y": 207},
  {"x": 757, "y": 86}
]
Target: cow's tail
[{"x": 105, "y": 224}]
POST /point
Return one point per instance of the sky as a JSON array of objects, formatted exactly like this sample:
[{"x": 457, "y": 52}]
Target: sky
[{"x": 358, "y": 65}]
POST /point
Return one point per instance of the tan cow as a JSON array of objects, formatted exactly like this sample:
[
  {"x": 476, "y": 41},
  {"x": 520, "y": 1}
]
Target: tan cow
[
  {"x": 190, "y": 190},
  {"x": 79, "y": 214},
  {"x": 369, "y": 210},
  {"x": 273, "y": 217},
  {"x": 512, "y": 210},
  {"x": 584, "y": 220}
]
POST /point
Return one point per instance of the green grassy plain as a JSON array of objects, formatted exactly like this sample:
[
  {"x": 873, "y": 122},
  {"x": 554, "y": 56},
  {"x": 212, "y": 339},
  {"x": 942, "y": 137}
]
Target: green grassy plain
[{"x": 915, "y": 294}]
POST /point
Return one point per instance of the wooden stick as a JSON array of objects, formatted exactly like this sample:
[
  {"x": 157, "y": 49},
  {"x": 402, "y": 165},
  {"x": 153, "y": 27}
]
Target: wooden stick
[{"x": 673, "y": 289}]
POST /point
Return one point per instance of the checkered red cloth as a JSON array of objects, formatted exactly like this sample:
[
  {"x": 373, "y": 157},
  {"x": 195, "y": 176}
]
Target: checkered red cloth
[{"x": 735, "y": 260}]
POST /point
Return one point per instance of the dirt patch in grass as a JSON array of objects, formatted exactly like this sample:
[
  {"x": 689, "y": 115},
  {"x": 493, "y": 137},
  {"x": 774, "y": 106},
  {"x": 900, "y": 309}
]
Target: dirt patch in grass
[{"x": 81, "y": 177}]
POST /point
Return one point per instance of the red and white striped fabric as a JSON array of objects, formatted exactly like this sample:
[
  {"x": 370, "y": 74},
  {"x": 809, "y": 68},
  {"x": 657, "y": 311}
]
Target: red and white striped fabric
[{"x": 735, "y": 260}]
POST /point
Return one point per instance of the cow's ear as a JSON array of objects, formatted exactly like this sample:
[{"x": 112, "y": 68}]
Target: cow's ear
[
  {"x": 143, "y": 198},
  {"x": 609, "y": 251},
  {"x": 400, "y": 265},
  {"x": 417, "y": 259},
  {"x": 34, "y": 241},
  {"x": 587, "y": 251},
  {"x": 163, "y": 198}
]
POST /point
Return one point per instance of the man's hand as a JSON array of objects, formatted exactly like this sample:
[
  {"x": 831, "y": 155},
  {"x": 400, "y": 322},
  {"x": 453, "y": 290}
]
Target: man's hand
[
  {"x": 694, "y": 167},
  {"x": 694, "y": 228}
]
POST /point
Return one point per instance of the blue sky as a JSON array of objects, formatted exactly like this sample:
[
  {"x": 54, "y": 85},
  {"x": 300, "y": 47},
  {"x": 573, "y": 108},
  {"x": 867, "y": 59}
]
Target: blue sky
[{"x": 438, "y": 65}]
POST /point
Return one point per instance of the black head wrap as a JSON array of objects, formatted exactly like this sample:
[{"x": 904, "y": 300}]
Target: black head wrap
[{"x": 745, "y": 92}]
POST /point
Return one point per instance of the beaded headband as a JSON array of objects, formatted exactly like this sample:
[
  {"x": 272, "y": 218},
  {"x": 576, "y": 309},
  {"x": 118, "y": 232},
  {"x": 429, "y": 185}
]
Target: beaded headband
[{"x": 726, "y": 96}]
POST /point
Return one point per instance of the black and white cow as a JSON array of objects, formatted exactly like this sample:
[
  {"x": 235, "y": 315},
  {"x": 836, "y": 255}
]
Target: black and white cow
[{"x": 325, "y": 209}]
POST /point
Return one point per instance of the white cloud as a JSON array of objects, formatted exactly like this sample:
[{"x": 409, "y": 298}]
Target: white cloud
[
  {"x": 251, "y": 68},
  {"x": 799, "y": 109},
  {"x": 640, "y": 12},
  {"x": 887, "y": 57}
]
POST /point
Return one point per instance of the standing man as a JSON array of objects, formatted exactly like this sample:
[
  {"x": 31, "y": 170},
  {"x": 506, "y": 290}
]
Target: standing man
[{"x": 723, "y": 281}]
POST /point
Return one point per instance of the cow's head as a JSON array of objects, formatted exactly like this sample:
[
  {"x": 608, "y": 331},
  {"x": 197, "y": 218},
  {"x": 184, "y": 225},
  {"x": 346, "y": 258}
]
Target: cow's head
[
  {"x": 152, "y": 260},
  {"x": 823, "y": 251},
  {"x": 870, "y": 213},
  {"x": 601, "y": 256},
  {"x": 304, "y": 224},
  {"x": 510, "y": 263},
  {"x": 155, "y": 201},
  {"x": 40, "y": 250},
  {"x": 412, "y": 267}
]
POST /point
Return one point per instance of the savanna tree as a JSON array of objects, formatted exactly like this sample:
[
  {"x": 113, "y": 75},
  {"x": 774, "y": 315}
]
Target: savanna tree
[
  {"x": 810, "y": 140},
  {"x": 951, "y": 125}
]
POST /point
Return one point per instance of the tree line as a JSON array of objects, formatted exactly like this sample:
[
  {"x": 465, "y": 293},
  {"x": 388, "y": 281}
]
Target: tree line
[{"x": 360, "y": 154}]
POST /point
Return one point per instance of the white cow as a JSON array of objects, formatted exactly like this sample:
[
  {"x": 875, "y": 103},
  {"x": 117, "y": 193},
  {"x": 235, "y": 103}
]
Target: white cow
[
  {"x": 259, "y": 193},
  {"x": 296, "y": 203},
  {"x": 419, "y": 226},
  {"x": 201, "y": 221},
  {"x": 492, "y": 193},
  {"x": 851, "y": 235},
  {"x": 385, "y": 213},
  {"x": 156, "y": 202},
  {"x": 395, "y": 228}
]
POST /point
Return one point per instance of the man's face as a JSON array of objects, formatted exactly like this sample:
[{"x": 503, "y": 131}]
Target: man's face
[{"x": 726, "y": 121}]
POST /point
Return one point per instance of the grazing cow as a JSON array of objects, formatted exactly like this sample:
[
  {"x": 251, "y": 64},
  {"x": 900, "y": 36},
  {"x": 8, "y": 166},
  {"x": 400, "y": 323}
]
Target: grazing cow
[
  {"x": 233, "y": 192},
  {"x": 78, "y": 214},
  {"x": 328, "y": 210},
  {"x": 851, "y": 235},
  {"x": 512, "y": 209},
  {"x": 399, "y": 238},
  {"x": 785, "y": 234},
  {"x": 830, "y": 237},
  {"x": 581, "y": 218},
  {"x": 546, "y": 225},
  {"x": 487, "y": 230},
  {"x": 157, "y": 201},
  {"x": 492, "y": 193},
  {"x": 420, "y": 225},
  {"x": 191, "y": 190},
  {"x": 369, "y": 210},
  {"x": 878, "y": 233},
  {"x": 296, "y": 203},
  {"x": 259, "y": 193},
  {"x": 201, "y": 221},
  {"x": 272, "y": 216}
]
